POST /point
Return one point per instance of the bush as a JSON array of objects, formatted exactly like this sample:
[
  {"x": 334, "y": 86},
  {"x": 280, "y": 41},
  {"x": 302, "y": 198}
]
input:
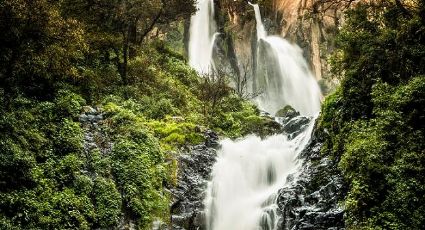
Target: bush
[
  {"x": 107, "y": 203},
  {"x": 69, "y": 104}
]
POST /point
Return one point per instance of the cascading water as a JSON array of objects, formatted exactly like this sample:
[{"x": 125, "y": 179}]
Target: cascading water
[
  {"x": 202, "y": 36},
  {"x": 283, "y": 75},
  {"x": 248, "y": 173}
]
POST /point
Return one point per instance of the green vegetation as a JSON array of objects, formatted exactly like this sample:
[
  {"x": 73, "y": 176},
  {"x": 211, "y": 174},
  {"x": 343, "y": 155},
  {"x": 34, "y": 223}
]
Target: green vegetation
[
  {"x": 57, "y": 57},
  {"x": 373, "y": 125}
]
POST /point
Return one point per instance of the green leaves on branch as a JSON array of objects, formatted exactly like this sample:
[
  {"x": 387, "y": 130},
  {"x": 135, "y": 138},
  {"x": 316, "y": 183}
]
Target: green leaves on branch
[{"x": 372, "y": 126}]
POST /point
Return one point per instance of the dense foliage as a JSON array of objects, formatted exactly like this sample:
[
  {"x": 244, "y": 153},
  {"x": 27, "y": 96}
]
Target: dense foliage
[
  {"x": 56, "y": 57},
  {"x": 373, "y": 125}
]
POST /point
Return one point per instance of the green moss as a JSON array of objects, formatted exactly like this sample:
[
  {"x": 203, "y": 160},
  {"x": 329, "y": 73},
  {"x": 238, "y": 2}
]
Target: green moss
[
  {"x": 69, "y": 137},
  {"x": 369, "y": 154},
  {"x": 287, "y": 110},
  {"x": 371, "y": 126},
  {"x": 177, "y": 134}
]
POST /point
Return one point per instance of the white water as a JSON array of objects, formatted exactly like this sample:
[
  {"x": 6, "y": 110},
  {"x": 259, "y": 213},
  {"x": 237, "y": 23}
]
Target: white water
[
  {"x": 202, "y": 34},
  {"x": 246, "y": 178},
  {"x": 283, "y": 75}
]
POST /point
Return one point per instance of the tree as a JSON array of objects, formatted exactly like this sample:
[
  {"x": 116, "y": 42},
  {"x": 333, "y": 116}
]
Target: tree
[
  {"x": 38, "y": 47},
  {"x": 124, "y": 24},
  {"x": 212, "y": 90},
  {"x": 374, "y": 121}
]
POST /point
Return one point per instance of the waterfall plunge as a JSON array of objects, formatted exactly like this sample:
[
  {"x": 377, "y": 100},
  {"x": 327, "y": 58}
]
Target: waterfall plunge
[
  {"x": 202, "y": 36},
  {"x": 242, "y": 194},
  {"x": 246, "y": 178},
  {"x": 283, "y": 75}
]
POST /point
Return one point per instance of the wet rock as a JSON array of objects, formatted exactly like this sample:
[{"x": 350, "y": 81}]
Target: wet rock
[
  {"x": 265, "y": 114},
  {"x": 267, "y": 127},
  {"x": 310, "y": 201},
  {"x": 83, "y": 118},
  {"x": 296, "y": 125},
  {"x": 98, "y": 117},
  {"x": 211, "y": 139},
  {"x": 287, "y": 112},
  {"x": 291, "y": 122},
  {"x": 90, "y": 117},
  {"x": 194, "y": 172}
]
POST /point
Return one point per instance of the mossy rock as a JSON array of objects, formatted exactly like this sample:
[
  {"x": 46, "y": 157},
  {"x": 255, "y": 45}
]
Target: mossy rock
[
  {"x": 288, "y": 112},
  {"x": 263, "y": 127}
]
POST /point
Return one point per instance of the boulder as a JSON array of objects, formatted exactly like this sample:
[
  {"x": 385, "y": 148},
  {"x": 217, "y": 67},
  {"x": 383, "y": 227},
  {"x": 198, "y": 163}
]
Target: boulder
[{"x": 287, "y": 112}]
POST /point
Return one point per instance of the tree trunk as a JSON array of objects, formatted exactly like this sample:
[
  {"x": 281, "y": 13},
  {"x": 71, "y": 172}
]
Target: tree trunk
[
  {"x": 123, "y": 71},
  {"x": 132, "y": 40}
]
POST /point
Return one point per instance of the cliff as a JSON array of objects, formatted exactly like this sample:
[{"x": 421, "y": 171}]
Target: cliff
[{"x": 312, "y": 24}]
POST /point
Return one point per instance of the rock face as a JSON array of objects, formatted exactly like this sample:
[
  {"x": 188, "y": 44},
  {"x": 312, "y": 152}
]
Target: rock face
[
  {"x": 96, "y": 139},
  {"x": 310, "y": 200},
  {"x": 294, "y": 126},
  {"x": 194, "y": 171},
  {"x": 312, "y": 24}
]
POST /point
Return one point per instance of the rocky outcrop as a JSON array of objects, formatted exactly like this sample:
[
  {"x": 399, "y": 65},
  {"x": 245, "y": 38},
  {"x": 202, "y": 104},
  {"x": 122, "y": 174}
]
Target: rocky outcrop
[
  {"x": 310, "y": 200},
  {"x": 194, "y": 171}
]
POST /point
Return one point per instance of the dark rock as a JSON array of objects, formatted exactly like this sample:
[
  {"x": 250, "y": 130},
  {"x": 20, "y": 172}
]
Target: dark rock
[
  {"x": 194, "y": 172},
  {"x": 310, "y": 201},
  {"x": 211, "y": 139},
  {"x": 296, "y": 125},
  {"x": 267, "y": 127},
  {"x": 292, "y": 123},
  {"x": 98, "y": 117},
  {"x": 91, "y": 117},
  {"x": 265, "y": 114},
  {"x": 83, "y": 118},
  {"x": 94, "y": 135}
]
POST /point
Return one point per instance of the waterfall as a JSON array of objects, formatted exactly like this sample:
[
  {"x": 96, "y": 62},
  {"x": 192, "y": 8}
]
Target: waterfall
[
  {"x": 202, "y": 36},
  {"x": 283, "y": 75},
  {"x": 261, "y": 31},
  {"x": 248, "y": 174},
  {"x": 246, "y": 178}
]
